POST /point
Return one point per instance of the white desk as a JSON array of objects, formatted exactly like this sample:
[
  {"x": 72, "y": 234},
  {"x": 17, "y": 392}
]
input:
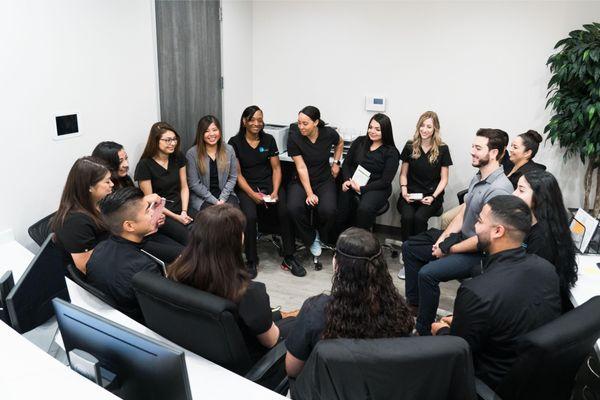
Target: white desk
[
  {"x": 26, "y": 372},
  {"x": 34, "y": 374},
  {"x": 588, "y": 282}
]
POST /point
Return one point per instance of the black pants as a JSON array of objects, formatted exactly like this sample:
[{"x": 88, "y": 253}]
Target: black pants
[
  {"x": 415, "y": 215},
  {"x": 325, "y": 210},
  {"x": 163, "y": 247},
  {"x": 360, "y": 210},
  {"x": 268, "y": 215},
  {"x": 176, "y": 230}
]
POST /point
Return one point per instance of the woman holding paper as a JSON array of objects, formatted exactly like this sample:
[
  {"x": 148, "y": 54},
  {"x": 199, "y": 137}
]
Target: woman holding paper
[
  {"x": 368, "y": 171},
  {"x": 423, "y": 175},
  {"x": 259, "y": 189}
]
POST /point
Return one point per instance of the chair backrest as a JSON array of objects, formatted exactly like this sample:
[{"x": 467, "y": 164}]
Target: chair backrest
[
  {"x": 551, "y": 355},
  {"x": 41, "y": 229},
  {"x": 198, "y": 321},
  {"x": 398, "y": 368},
  {"x": 79, "y": 278}
]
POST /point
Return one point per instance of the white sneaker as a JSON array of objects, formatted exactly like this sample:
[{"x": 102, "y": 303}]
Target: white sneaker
[
  {"x": 315, "y": 247},
  {"x": 401, "y": 273}
]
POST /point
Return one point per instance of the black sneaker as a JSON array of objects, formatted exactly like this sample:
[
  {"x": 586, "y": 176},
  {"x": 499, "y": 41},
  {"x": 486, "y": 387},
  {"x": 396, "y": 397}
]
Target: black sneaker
[
  {"x": 251, "y": 267},
  {"x": 290, "y": 264}
]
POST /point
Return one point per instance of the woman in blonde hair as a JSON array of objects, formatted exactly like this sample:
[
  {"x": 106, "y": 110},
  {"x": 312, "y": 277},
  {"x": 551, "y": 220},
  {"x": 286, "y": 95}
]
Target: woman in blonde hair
[
  {"x": 423, "y": 175},
  {"x": 212, "y": 167}
]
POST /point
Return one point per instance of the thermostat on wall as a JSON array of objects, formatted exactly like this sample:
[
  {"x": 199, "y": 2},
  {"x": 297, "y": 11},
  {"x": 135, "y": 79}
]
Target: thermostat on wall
[
  {"x": 375, "y": 103},
  {"x": 66, "y": 126}
]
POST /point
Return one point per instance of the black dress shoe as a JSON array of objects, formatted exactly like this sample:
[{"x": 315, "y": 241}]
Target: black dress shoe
[{"x": 251, "y": 267}]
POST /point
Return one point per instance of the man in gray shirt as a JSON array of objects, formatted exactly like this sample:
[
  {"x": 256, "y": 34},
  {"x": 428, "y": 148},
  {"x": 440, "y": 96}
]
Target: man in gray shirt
[{"x": 435, "y": 256}]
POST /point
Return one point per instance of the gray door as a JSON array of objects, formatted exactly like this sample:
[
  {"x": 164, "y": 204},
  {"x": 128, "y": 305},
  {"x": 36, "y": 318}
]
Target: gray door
[{"x": 189, "y": 63}]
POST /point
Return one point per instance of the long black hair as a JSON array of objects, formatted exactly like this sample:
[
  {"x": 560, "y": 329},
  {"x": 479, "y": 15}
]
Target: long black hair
[
  {"x": 550, "y": 211},
  {"x": 365, "y": 303},
  {"x": 387, "y": 134},
  {"x": 247, "y": 114},
  {"x": 109, "y": 152}
]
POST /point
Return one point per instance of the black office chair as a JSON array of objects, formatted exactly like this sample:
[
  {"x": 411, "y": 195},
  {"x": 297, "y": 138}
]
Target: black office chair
[
  {"x": 549, "y": 357},
  {"x": 79, "y": 278},
  {"x": 41, "y": 229},
  {"x": 206, "y": 325},
  {"x": 381, "y": 369},
  {"x": 461, "y": 196}
]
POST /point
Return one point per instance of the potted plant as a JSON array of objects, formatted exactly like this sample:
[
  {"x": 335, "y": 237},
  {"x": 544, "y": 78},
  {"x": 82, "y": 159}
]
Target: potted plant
[{"x": 574, "y": 98}]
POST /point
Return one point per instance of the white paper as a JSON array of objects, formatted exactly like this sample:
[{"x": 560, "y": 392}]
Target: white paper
[
  {"x": 267, "y": 199},
  {"x": 415, "y": 196},
  {"x": 361, "y": 176},
  {"x": 589, "y": 224}
]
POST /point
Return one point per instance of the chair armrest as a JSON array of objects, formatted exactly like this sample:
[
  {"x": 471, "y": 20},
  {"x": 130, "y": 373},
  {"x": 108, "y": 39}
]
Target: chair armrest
[
  {"x": 484, "y": 392},
  {"x": 275, "y": 355},
  {"x": 461, "y": 196}
]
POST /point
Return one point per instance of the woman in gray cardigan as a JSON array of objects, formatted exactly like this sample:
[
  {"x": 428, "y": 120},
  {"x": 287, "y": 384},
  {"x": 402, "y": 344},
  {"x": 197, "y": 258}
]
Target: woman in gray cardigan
[{"x": 212, "y": 167}]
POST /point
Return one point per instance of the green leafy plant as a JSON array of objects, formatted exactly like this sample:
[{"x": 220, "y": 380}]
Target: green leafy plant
[{"x": 574, "y": 98}]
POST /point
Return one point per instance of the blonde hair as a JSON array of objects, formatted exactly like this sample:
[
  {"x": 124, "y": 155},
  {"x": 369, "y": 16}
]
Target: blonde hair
[
  {"x": 436, "y": 140},
  {"x": 222, "y": 160}
]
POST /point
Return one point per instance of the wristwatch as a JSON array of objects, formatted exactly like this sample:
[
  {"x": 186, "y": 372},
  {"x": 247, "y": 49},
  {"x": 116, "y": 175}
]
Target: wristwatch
[{"x": 338, "y": 162}]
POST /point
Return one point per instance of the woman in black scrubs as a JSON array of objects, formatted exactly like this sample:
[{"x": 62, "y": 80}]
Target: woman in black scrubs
[
  {"x": 259, "y": 175},
  {"x": 161, "y": 170},
  {"x": 424, "y": 172},
  {"x": 313, "y": 185},
  {"x": 375, "y": 153},
  {"x": 117, "y": 161},
  {"x": 522, "y": 150}
]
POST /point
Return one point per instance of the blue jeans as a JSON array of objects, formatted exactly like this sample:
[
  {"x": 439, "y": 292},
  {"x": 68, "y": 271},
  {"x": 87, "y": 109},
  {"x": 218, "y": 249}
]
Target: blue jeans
[{"x": 423, "y": 276}]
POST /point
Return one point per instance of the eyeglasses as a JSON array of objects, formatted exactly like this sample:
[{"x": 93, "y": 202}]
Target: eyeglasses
[{"x": 170, "y": 140}]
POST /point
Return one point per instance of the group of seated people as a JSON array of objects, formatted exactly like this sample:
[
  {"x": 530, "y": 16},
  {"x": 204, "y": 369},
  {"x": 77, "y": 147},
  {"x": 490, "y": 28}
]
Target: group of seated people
[{"x": 192, "y": 217}]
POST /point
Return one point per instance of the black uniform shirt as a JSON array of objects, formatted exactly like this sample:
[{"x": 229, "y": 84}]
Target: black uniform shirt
[
  {"x": 316, "y": 155},
  {"x": 528, "y": 166},
  {"x": 423, "y": 177},
  {"x": 111, "y": 268},
  {"x": 255, "y": 163},
  {"x": 165, "y": 182},
  {"x": 214, "y": 178},
  {"x": 382, "y": 163},
  {"x": 255, "y": 317},
  {"x": 309, "y": 327},
  {"x": 79, "y": 233},
  {"x": 516, "y": 294}
]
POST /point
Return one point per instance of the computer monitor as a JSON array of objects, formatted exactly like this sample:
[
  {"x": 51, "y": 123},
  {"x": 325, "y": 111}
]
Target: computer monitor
[
  {"x": 29, "y": 303},
  {"x": 143, "y": 367}
]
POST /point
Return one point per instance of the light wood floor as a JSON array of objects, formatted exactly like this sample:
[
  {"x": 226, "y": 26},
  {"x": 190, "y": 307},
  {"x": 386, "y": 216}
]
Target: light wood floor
[{"x": 289, "y": 291}]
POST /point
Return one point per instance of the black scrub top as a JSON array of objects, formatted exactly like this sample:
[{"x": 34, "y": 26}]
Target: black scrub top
[
  {"x": 316, "y": 155},
  {"x": 255, "y": 317},
  {"x": 79, "y": 233},
  {"x": 309, "y": 327},
  {"x": 214, "y": 178},
  {"x": 255, "y": 163},
  {"x": 165, "y": 182},
  {"x": 423, "y": 177}
]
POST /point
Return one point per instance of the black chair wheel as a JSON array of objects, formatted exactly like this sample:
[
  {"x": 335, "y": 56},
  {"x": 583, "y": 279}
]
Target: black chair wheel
[{"x": 318, "y": 266}]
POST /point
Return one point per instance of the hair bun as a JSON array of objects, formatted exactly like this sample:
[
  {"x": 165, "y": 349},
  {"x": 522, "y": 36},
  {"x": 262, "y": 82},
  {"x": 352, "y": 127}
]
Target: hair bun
[{"x": 534, "y": 135}]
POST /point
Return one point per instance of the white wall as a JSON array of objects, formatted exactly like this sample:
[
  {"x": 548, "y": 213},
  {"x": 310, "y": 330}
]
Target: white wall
[
  {"x": 97, "y": 58},
  {"x": 236, "y": 61},
  {"x": 477, "y": 64}
]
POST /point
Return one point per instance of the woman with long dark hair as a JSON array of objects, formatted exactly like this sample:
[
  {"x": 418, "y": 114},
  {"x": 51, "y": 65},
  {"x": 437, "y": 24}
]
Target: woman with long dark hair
[
  {"x": 550, "y": 236},
  {"x": 363, "y": 304},
  {"x": 212, "y": 167},
  {"x": 259, "y": 189},
  {"x": 115, "y": 157},
  {"x": 376, "y": 154},
  {"x": 522, "y": 150},
  {"x": 77, "y": 224},
  {"x": 310, "y": 144},
  {"x": 213, "y": 262},
  {"x": 162, "y": 170},
  {"x": 423, "y": 175}
]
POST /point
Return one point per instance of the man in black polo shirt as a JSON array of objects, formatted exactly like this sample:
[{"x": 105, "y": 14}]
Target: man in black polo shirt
[
  {"x": 115, "y": 261},
  {"x": 517, "y": 292}
]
